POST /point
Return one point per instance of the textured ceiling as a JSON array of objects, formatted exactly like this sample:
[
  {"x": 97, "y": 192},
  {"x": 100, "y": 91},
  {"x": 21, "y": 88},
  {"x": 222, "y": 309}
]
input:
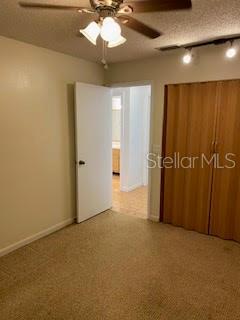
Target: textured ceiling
[{"x": 57, "y": 30}]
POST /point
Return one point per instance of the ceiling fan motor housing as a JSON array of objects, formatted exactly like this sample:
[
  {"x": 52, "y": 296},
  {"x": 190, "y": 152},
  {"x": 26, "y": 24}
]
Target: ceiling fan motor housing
[{"x": 106, "y": 7}]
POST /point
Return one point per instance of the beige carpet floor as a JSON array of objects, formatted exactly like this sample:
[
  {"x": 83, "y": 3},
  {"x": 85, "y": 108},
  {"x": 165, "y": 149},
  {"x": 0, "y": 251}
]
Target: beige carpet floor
[{"x": 120, "y": 267}]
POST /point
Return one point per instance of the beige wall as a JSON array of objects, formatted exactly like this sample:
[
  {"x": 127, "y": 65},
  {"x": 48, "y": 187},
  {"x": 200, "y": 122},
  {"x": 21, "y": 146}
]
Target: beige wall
[
  {"x": 37, "y": 137},
  {"x": 209, "y": 64}
]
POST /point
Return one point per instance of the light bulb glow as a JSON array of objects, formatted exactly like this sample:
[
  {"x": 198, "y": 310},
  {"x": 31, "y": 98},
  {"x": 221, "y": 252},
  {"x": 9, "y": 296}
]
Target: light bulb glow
[
  {"x": 120, "y": 40},
  {"x": 231, "y": 53},
  {"x": 110, "y": 30},
  {"x": 187, "y": 58},
  {"x": 91, "y": 32}
]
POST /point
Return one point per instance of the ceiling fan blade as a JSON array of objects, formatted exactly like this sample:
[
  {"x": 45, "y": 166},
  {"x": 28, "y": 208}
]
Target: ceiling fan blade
[
  {"x": 157, "y": 5},
  {"x": 33, "y": 5},
  {"x": 139, "y": 27}
]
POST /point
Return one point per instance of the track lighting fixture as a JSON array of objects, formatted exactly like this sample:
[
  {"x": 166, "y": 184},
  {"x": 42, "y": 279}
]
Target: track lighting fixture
[
  {"x": 231, "y": 52},
  {"x": 190, "y": 46}
]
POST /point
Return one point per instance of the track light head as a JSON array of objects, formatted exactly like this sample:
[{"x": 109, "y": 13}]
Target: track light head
[
  {"x": 187, "y": 58},
  {"x": 231, "y": 52}
]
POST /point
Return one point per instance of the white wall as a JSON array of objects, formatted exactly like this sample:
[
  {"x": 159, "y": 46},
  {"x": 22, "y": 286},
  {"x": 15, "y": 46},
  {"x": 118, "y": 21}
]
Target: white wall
[
  {"x": 37, "y": 161},
  {"x": 146, "y": 110},
  {"x": 116, "y": 125},
  {"x": 135, "y": 137},
  {"x": 209, "y": 64}
]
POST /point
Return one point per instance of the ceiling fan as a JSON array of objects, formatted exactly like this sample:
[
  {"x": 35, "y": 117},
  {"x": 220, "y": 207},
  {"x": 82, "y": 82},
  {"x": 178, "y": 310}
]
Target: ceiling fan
[{"x": 110, "y": 12}]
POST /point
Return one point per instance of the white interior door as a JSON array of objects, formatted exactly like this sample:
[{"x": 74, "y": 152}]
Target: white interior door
[{"x": 93, "y": 116}]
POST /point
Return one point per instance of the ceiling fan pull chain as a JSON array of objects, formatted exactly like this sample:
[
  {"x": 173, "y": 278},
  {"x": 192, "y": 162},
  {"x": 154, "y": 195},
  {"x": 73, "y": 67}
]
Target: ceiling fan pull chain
[{"x": 104, "y": 54}]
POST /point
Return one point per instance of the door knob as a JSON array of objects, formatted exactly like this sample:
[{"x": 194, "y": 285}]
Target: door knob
[{"x": 81, "y": 163}]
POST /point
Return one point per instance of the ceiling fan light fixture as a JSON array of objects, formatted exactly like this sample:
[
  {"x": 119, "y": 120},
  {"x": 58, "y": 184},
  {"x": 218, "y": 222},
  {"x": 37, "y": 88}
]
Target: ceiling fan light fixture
[
  {"x": 91, "y": 32},
  {"x": 110, "y": 30},
  {"x": 121, "y": 40}
]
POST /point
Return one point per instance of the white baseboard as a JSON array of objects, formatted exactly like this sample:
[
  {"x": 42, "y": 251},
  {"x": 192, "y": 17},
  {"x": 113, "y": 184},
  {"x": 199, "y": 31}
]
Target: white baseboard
[
  {"x": 153, "y": 218},
  {"x": 36, "y": 236},
  {"x": 131, "y": 188}
]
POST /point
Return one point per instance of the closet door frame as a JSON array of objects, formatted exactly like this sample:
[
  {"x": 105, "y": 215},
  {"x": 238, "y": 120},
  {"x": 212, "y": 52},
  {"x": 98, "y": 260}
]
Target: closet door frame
[{"x": 164, "y": 142}]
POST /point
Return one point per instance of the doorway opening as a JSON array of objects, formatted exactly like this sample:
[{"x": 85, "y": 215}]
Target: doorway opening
[{"x": 131, "y": 108}]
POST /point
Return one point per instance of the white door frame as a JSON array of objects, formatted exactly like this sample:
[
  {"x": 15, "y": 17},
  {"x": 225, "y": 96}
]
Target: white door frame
[
  {"x": 140, "y": 84},
  {"x": 123, "y": 97}
]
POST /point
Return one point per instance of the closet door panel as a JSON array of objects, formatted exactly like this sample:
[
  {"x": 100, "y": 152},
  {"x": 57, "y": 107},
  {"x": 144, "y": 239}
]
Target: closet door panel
[
  {"x": 176, "y": 132},
  {"x": 225, "y": 209},
  {"x": 190, "y": 131}
]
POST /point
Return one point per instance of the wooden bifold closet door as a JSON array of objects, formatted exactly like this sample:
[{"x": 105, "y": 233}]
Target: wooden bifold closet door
[
  {"x": 190, "y": 118},
  {"x": 202, "y": 119}
]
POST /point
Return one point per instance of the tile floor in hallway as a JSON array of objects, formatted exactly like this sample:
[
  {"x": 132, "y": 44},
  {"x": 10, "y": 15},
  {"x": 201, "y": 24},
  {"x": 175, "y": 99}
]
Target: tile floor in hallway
[{"x": 132, "y": 203}]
